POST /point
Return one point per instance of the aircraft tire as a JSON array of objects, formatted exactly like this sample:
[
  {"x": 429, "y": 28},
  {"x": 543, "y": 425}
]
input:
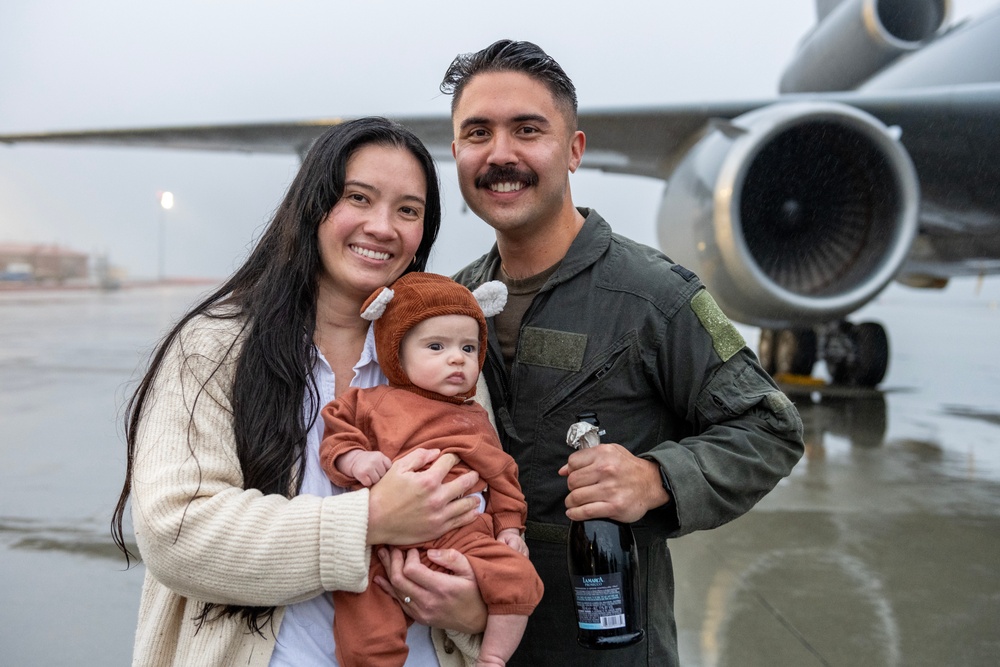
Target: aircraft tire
[{"x": 871, "y": 356}]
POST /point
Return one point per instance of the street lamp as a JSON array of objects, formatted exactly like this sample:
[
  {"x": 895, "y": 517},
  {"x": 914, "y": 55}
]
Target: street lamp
[{"x": 166, "y": 203}]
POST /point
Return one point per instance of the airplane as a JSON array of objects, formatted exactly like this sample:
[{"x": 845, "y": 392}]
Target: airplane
[{"x": 879, "y": 160}]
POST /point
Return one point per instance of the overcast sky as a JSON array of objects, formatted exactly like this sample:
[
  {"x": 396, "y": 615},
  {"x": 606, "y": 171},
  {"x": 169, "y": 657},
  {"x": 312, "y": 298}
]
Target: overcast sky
[{"x": 117, "y": 63}]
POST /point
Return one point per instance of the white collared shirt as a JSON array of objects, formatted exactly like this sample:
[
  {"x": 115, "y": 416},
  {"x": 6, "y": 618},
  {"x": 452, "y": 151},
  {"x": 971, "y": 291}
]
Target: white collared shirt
[{"x": 306, "y": 633}]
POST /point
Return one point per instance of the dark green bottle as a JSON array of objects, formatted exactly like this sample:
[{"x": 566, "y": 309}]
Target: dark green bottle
[{"x": 604, "y": 571}]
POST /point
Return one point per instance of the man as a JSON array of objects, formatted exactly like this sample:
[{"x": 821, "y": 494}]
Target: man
[{"x": 595, "y": 321}]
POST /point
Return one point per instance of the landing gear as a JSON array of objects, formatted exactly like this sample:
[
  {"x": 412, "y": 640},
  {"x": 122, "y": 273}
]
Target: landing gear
[
  {"x": 788, "y": 351},
  {"x": 855, "y": 354}
]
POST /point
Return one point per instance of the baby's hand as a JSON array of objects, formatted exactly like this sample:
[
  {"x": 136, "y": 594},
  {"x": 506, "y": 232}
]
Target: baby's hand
[
  {"x": 512, "y": 538},
  {"x": 366, "y": 467}
]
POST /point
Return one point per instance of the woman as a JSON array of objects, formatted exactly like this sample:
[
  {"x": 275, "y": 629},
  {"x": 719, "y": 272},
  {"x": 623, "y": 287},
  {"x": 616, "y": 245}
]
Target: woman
[{"x": 241, "y": 532}]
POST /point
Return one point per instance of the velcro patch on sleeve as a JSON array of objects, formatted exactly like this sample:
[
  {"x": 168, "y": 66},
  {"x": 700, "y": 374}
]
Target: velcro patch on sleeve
[
  {"x": 777, "y": 401},
  {"x": 726, "y": 340},
  {"x": 552, "y": 349}
]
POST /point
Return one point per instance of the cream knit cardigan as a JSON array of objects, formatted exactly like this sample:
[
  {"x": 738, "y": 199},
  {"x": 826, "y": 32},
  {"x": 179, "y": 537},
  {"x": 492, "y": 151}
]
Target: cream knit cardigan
[{"x": 203, "y": 537}]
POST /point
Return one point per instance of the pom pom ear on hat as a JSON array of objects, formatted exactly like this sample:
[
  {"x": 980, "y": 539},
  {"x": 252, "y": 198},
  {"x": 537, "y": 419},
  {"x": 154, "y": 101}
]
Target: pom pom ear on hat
[
  {"x": 374, "y": 307},
  {"x": 492, "y": 297}
]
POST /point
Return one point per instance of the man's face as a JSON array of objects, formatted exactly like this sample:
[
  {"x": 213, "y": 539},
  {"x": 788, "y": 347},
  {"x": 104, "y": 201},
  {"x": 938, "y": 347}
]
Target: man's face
[{"x": 514, "y": 149}]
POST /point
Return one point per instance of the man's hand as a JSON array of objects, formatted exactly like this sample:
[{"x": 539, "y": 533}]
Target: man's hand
[
  {"x": 608, "y": 481},
  {"x": 448, "y": 600}
]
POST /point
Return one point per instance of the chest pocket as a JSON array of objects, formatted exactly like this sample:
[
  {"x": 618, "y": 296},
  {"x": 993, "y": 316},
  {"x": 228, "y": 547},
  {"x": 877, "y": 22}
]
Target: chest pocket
[{"x": 597, "y": 378}]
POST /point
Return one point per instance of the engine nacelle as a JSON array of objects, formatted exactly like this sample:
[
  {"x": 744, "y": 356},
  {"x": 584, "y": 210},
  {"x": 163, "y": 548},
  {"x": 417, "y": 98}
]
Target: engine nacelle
[
  {"x": 793, "y": 214},
  {"x": 858, "y": 38}
]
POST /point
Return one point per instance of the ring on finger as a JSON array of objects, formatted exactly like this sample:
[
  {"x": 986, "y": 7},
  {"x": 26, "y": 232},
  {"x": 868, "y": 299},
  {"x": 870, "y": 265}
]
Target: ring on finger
[{"x": 407, "y": 600}]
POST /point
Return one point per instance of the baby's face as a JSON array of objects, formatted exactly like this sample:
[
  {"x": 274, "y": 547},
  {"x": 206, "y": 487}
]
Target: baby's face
[{"x": 441, "y": 354}]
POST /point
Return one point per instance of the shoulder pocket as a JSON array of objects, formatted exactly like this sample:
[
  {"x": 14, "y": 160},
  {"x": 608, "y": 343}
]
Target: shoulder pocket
[{"x": 736, "y": 388}]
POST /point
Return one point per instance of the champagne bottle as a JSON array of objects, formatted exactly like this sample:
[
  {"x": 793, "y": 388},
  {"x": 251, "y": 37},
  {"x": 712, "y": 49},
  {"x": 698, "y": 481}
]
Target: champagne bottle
[{"x": 603, "y": 567}]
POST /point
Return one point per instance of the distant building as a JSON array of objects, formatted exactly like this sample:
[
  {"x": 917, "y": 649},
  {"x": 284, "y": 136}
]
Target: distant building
[{"x": 41, "y": 263}]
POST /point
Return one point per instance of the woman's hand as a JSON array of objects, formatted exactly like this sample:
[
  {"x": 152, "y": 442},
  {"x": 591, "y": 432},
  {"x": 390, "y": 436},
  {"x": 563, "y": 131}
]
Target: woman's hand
[
  {"x": 449, "y": 600},
  {"x": 408, "y": 507}
]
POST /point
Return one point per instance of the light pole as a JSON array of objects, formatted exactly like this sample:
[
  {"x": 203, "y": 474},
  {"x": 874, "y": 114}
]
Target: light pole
[{"x": 166, "y": 203}]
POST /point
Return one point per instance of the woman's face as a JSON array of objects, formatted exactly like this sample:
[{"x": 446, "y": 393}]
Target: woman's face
[{"x": 372, "y": 233}]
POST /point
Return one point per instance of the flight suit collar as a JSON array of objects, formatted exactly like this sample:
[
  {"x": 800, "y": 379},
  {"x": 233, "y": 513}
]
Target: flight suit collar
[{"x": 591, "y": 242}]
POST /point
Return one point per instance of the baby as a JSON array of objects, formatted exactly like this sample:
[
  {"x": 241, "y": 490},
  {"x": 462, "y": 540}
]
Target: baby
[{"x": 430, "y": 337}]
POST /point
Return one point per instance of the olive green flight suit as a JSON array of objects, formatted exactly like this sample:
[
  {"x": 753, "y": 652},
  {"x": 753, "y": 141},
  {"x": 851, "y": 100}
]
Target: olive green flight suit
[{"x": 621, "y": 330}]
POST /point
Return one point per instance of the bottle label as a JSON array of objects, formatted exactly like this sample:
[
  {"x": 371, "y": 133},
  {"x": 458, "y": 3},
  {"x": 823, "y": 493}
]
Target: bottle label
[{"x": 599, "y": 601}]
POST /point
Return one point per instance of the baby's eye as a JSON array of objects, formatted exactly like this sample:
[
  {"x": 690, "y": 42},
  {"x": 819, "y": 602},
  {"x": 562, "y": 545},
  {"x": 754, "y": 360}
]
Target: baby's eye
[
  {"x": 469, "y": 349},
  {"x": 437, "y": 347}
]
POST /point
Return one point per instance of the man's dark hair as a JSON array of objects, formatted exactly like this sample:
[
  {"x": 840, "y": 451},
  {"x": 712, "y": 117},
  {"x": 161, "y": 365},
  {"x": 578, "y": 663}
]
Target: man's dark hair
[{"x": 509, "y": 56}]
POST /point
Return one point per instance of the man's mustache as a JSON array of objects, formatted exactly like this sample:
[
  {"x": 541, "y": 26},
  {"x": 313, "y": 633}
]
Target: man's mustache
[{"x": 497, "y": 174}]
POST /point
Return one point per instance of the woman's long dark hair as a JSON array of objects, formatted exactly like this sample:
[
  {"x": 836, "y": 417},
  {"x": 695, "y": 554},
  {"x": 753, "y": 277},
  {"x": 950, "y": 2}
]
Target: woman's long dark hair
[{"x": 274, "y": 292}]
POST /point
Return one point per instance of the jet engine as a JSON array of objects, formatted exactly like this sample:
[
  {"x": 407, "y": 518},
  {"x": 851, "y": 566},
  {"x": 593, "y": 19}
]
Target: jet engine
[
  {"x": 794, "y": 214},
  {"x": 858, "y": 38}
]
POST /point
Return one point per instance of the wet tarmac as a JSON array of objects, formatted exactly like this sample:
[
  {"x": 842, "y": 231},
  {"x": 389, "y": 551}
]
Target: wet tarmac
[
  {"x": 880, "y": 549},
  {"x": 66, "y": 362}
]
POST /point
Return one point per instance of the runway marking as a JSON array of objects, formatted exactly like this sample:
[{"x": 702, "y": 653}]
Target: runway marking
[{"x": 863, "y": 585}]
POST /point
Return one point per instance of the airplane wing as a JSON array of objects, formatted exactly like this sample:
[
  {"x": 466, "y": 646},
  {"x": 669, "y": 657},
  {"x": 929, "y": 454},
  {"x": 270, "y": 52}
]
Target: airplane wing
[
  {"x": 650, "y": 141},
  {"x": 281, "y": 137},
  {"x": 647, "y": 141},
  {"x": 643, "y": 142},
  {"x": 276, "y": 137}
]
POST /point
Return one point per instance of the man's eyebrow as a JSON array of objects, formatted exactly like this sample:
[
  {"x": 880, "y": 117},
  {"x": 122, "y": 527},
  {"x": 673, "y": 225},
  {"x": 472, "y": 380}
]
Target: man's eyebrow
[
  {"x": 522, "y": 118},
  {"x": 474, "y": 120},
  {"x": 532, "y": 117}
]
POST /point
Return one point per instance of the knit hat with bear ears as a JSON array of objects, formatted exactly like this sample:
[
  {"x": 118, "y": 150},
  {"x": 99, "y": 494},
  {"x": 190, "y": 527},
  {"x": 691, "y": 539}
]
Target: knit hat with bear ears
[{"x": 416, "y": 297}]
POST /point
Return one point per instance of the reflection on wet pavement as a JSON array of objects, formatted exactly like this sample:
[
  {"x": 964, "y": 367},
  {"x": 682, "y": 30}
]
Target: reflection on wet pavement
[
  {"x": 89, "y": 541},
  {"x": 971, "y": 413}
]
